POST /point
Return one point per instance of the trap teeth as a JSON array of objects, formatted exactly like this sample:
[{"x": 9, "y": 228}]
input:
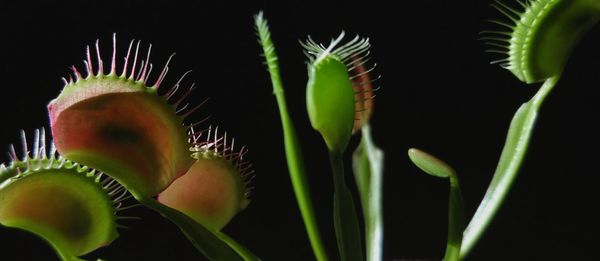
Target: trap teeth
[{"x": 540, "y": 39}]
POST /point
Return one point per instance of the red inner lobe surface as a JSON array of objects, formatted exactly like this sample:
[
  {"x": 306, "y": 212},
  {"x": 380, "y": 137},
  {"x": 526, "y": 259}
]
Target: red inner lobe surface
[
  {"x": 363, "y": 97},
  {"x": 125, "y": 129},
  {"x": 208, "y": 192}
]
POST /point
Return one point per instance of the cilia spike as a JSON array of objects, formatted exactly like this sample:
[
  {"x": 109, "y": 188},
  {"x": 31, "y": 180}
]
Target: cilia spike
[
  {"x": 143, "y": 67},
  {"x": 216, "y": 187},
  {"x": 65, "y": 203}
]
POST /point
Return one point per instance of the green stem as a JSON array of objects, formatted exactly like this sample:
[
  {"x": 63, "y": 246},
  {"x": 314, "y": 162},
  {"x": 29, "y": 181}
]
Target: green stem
[
  {"x": 368, "y": 172},
  {"x": 344, "y": 213},
  {"x": 456, "y": 221},
  {"x": 293, "y": 152},
  {"x": 512, "y": 156},
  {"x": 203, "y": 239},
  {"x": 239, "y": 248}
]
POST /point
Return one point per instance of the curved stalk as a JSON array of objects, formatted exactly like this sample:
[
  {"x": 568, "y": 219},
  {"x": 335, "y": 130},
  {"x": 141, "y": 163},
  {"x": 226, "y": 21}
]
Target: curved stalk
[
  {"x": 514, "y": 151},
  {"x": 456, "y": 221},
  {"x": 367, "y": 163},
  {"x": 211, "y": 245},
  {"x": 437, "y": 168}
]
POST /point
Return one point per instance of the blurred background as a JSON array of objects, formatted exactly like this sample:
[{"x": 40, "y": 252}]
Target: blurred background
[{"x": 439, "y": 93}]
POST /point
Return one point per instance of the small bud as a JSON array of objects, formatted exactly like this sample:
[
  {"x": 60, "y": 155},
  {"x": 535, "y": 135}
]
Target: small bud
[
  {"x": 338, "y": 89},
  {"x": 430, "y": 164}
]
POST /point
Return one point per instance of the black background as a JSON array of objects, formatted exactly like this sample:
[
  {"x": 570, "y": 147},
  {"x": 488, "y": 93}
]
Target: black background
[{"x": 439, "y": 94}]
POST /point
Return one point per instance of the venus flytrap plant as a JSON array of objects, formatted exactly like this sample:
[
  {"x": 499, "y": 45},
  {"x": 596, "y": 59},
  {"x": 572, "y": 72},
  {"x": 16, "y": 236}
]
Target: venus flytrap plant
[
  {"x": 74, "y": 208},
  {"x": 133, "y": 130},
  {"x": 329, "y": 93},
  {"x": 121, "y": 125},
  {"x": 332, "y": 109},
  {"x": 537, "y": 43},
  {"x": 339, "y": 100}
]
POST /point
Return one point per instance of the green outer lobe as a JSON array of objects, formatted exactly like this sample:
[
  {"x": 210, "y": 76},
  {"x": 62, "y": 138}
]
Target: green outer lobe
[
  {"x": 546, "y": 34},
  {"x": 330, "y": 101},
  {"x": 91, "y": 87},
  {"x": 71, "y": 211},
  {"x": 123, "y": 129}
]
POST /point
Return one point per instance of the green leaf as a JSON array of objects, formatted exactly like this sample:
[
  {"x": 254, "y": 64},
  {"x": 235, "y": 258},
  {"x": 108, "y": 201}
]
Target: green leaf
[
  {"x": 367, "y": 163},
  {"x": 331, "y": 109},
  {"x": 437, "y": 168},
  {"x": 330, "y": 101},
  {"x": 512, "y": 156}
]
